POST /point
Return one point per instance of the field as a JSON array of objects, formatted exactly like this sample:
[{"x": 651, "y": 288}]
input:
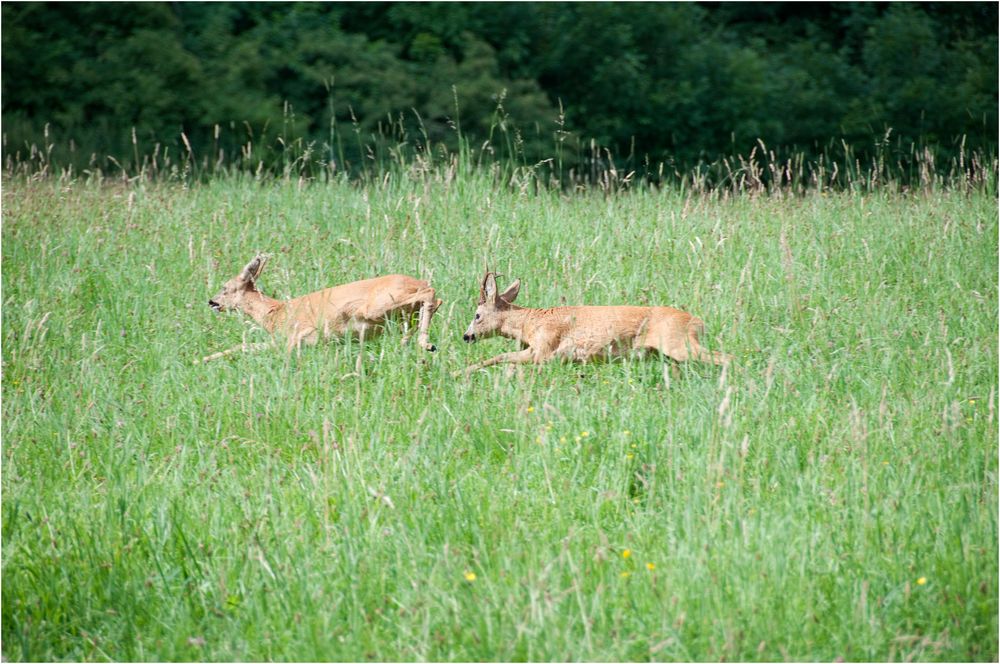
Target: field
[{"x": 833, "y": 494}]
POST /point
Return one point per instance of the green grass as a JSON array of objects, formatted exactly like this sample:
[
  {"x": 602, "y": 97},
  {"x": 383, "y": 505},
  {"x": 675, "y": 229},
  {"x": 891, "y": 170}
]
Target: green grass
[{"x": 273, "y": 507}]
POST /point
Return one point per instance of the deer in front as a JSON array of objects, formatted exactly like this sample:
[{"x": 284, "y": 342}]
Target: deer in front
[
  {"x": 358, "y": 308},
  {"x": 583, "y": 333}
]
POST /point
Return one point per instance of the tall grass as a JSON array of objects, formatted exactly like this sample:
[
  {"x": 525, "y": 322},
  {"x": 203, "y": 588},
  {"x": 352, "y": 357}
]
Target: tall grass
[
  {"x": 833, "y": 495},
  {"x": 400, "y": 147}
]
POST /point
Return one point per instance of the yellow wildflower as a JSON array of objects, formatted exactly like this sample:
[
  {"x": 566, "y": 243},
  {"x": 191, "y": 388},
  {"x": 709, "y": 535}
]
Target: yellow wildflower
[
  {"x": 626, "y": 575},
  {"x": 626, "y": 553},
  {"x": 470, "y": 576},
  {"x": 922, "y": 580},
  {"x": 650, "y": 566},
  {"x": 629, "y": 455},
  {"x": 531, "y": 409}
]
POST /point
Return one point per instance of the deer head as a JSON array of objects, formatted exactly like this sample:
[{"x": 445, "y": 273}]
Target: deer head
[
  {"x": 491, "y": 309},
  {"x": 233, "y": 291}
]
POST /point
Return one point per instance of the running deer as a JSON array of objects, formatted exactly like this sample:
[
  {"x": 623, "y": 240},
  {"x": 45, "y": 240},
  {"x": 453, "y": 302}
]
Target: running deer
[
  {"x": 360, "y": 308},
  {"x": 585, "y": 332}
]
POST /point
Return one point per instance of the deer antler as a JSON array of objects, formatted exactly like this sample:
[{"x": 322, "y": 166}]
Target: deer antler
[{"x": 482, "y": 285}]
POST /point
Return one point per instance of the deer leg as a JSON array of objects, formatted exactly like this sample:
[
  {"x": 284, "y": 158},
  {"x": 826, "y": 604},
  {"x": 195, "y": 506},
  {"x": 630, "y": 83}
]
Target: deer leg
[
  {"x": 700, "y": 353},
  {"x": 714, "y": 356},
  {"x": 300, "y": 336},
  {"x": 361, "y": 349},
  {"x": 427, "y": 310},
  {"x": 693, "y": 351},
  {"x": 242, "y": 348},
  {"x": 518, "y": 357},
  {"x": 407, "y": 319}
]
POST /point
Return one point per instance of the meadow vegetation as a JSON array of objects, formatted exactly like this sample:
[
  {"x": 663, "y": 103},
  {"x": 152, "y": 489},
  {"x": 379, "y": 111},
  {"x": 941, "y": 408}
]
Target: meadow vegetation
[{"x": 832, "y": 494}]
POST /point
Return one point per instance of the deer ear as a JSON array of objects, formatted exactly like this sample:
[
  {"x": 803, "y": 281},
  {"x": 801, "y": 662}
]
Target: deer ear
[{"x": 510, "y": 294}]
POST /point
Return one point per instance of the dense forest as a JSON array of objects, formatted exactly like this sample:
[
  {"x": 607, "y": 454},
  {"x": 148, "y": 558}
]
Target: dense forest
[{"x": 673, "y": 83}]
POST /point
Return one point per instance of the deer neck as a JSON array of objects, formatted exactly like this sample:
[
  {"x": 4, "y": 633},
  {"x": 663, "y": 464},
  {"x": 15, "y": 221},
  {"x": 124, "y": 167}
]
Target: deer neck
[
  {"x": 266, "y": 311},
  {"x": 516, "y": 323}
]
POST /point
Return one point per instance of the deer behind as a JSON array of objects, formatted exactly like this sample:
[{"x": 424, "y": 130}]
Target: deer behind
[
  {"x": 583, "y": 333},
  {"x": 360, "y": 308}
]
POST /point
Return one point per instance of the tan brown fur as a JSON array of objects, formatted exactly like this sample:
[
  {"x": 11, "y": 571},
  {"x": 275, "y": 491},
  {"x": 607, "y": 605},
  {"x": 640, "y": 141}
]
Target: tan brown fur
[
  {"x": 359, "y": 308},
  {"x": 584, "y": 333}
]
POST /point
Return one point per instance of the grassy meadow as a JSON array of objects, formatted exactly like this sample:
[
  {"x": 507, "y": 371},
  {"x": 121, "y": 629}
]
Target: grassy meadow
[{"x": 832, "y": 495}]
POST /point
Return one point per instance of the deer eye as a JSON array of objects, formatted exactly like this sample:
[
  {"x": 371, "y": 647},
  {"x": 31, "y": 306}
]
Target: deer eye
[{"x": 477, "y": 316}]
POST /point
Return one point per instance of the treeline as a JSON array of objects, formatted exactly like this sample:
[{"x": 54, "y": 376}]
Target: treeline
[{"x": 672, "y": 83}]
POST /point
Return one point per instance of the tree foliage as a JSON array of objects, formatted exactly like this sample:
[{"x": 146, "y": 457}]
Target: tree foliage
[{"x": 672, "y": 82}]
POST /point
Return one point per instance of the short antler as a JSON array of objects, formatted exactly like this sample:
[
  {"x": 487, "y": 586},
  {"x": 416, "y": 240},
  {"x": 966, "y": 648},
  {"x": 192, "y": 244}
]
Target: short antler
[
  {"x": 253, "y": 269},
  {"x": 482, "y": 286}
]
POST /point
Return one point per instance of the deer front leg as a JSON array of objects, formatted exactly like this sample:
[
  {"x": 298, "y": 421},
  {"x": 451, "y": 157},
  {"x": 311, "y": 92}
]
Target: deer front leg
[
  {"x": 518, "y": 357},
  {"x": 301, "y": 335},
  {"x": 242, "y": 348}
]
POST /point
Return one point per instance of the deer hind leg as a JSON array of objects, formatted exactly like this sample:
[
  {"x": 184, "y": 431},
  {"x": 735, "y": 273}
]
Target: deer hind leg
[
  {"x": 407, "y": 332},
  {"x": 681, "y": 343},
  {"x": 695, "y": 328},
  {"x": 361, "y": 349},
  {"x": 427, "y": 309},
  {"x": 421, "y": 301},
  {"x": 692, "y": 350},
  {"x": 715, "y": 357},
  {"x": 683, "y": 348}
]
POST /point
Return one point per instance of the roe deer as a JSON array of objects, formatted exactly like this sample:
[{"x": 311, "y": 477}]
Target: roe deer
[
  {"x": 584, "y": 332},
  {"x": 360, "y": 307}
]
